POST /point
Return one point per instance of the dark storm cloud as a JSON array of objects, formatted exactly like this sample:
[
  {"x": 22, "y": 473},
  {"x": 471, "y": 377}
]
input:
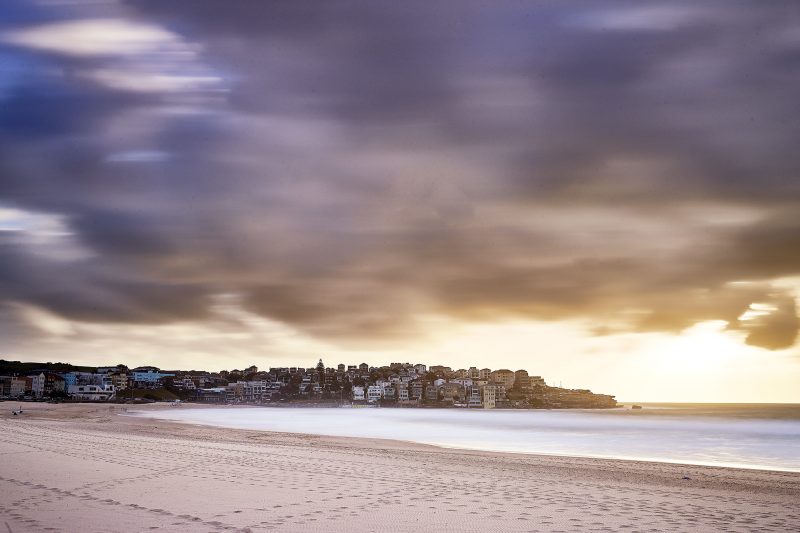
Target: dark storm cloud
[
  {"x": 83, "y": 290},
  {"x": 350, "y": 167}
]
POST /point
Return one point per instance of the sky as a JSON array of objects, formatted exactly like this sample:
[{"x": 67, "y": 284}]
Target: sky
[{"x": 604, "y": 193}]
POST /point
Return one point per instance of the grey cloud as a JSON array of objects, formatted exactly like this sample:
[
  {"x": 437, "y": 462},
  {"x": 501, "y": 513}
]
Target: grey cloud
[
  {"x": 368, "y": 164},
  {"x": 89, "y": 290}
]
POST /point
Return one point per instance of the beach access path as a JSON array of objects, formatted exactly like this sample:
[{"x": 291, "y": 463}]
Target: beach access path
[{"x": 82, "y": 467}]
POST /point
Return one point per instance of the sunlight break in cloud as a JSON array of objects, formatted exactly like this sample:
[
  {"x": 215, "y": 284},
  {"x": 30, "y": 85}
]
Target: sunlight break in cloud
[{"x": 98, "y": 37}]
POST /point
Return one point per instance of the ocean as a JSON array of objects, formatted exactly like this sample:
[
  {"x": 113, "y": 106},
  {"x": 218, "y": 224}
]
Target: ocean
[{"x": 759, "y": 436}]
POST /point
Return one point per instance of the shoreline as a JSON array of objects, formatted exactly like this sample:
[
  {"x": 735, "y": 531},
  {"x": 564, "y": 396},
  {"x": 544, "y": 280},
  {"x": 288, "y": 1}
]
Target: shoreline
[
  {"x": 678, "y": 462},
  {"x": 85, "y": 467},
  {"x": 140, "y": 411},
  {"x": 144, "y": 419}
]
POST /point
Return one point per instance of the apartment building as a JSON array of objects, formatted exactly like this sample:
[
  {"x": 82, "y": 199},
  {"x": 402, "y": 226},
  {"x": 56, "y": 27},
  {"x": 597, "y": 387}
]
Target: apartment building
[
  {"x": 416, "y": 389},
  {"x": 489, "y": 396},
  {"x": 374, "y": 393},
  {"x": 504, "y": 377},
  {"x": 431, "y": 393},
  {"x": 402, "y": 393},
  {"x": 474, "y": 397},
  {"x": 358, "y": 394},
  {"x": 452, "y": 392}
]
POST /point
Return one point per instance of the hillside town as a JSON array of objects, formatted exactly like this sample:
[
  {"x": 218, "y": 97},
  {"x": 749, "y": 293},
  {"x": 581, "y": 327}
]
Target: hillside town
[{"x": 395, "y": 385}]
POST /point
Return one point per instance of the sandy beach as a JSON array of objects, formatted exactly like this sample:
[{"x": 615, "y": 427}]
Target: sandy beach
[{"x": 91, "y": 468}]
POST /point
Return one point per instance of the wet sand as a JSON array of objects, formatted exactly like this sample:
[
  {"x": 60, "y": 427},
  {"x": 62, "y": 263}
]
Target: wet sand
[{"x": 86, "y": 468}]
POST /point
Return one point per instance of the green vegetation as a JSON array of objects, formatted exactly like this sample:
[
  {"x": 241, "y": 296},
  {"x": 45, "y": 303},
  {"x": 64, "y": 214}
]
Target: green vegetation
[
  {"x": 17, "y": 367},
  {"x": 147, "y": 394}
]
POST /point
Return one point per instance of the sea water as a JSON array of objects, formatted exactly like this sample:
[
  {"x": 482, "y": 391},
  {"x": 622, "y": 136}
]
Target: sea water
[{"x": 745, "y": 436}]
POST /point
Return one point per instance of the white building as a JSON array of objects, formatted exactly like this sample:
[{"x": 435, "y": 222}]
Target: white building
[
  {"x": 184, "y": 384},
  {"x": 92, "y": 393},
  {"x": 374, "y": 393},
  {"x": 37, "y": 385},
  {"x": 358, "y": 393},
  {"x": 253, "y": 391}
]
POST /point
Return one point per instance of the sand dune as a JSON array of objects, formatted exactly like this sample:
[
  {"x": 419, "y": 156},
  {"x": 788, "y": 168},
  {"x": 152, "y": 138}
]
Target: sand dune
[{"x": 85, "y": 468}]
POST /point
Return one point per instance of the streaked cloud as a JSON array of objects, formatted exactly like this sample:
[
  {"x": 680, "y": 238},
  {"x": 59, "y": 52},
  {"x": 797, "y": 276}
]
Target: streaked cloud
[
  {"x": 150, "y": 82},
  {"x": 138, "y": 156},
  {"x": 369, "y": 174},
  {"x": 98, "y": 38},
  {"x": 638, "y": 17}
]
